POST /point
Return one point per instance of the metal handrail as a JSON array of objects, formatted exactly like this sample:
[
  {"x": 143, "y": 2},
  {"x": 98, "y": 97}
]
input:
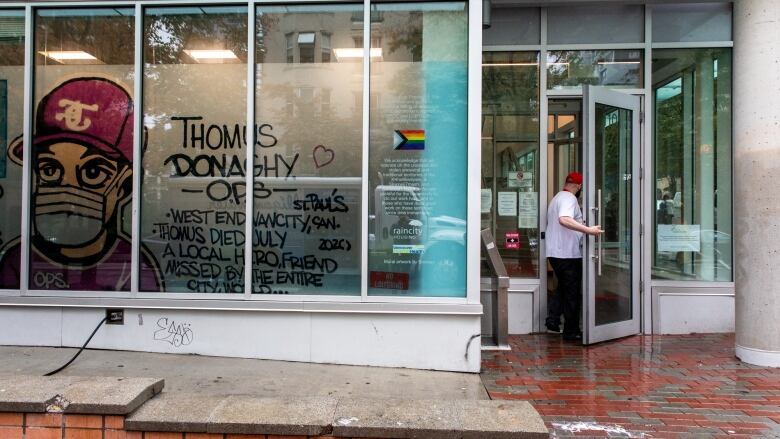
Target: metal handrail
[{"x": 501, "y": 319}]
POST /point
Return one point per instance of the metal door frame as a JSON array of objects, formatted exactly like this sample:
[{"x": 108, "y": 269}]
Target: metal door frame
[{"x": 591, "y": 332}]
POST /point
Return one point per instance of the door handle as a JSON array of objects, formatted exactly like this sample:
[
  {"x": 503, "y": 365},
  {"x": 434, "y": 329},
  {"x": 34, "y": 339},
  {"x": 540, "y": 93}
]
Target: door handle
[
  {"x": 599, "y": 248},
  {"x": 600, "y": 235}
]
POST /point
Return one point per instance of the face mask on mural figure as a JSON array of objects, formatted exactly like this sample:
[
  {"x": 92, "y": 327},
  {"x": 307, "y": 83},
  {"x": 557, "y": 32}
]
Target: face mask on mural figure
[
  {"x": 68, "y": 216},
  {"x": 77, "y": 194}
]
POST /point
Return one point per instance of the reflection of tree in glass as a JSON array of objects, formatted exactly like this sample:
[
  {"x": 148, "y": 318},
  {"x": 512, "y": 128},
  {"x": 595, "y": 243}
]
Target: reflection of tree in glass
[
  {"x": 12, "y": 44},
  {"x": 408, "y": 36},
  {"x": 513, "y": 89},
  {"x": 166, "y": 36},
  {"x": 107, "y": 38},
  {"x": 594, "y": 67}
]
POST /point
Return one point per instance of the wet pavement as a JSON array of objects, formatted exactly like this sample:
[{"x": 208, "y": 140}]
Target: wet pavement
[{"x": 689, "y": 386}]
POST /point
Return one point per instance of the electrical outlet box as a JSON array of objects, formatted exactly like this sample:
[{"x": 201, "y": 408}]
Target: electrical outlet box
[{"x": 115, "y": 316}]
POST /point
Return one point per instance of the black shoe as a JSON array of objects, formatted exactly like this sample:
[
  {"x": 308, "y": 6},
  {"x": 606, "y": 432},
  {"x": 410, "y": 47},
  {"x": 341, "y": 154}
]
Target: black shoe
[
  {"x": 576, "y": 336},
  {"x": 553, "y": 327}
]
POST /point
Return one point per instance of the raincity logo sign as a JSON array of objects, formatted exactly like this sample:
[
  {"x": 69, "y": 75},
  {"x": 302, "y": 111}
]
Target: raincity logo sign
[{"x": 73, "y": 115}]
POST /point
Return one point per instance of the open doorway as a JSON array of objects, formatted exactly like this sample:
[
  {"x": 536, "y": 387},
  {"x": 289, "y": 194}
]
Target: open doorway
[{"x": 564, "y": 154}]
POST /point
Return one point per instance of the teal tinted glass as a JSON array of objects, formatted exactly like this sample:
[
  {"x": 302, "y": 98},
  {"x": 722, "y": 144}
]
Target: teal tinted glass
[{"x": 418, "y": 150}]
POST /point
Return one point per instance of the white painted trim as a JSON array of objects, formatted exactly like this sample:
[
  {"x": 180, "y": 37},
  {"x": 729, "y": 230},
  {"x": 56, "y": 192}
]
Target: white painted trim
[
  {"x": 512, "y": 48},
  {"x": 693, "y": 45},
  {"x": 681, "y": 290},
  {"x": 708, "y": 294},
  {"x": 646, "y": 155},
  {"x": 540, "y": 300},
  {"x": 608, "y": 46},
  {"x": 366, "y": 148},
  {"x": 251, "y": 92},
  {"x": 138, "y": 117},
  {"x": 690, "y": 284},
  {"x": 29, "y": 108},
  {"x": 474, "y": 152},
  {"x": 241, "y": 305},
  {"x": 758, "y": 357}
]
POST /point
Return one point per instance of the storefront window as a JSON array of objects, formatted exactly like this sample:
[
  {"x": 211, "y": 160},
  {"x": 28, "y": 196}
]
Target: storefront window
[
  {"x": 568, "y": 69},
  {"x": 308, "y": 158},
  {"x": 693, "y": 198},
  {"x": 11, "y": 120},
  {"x": 82, "y": 150},
  {"x": 194, "y": 156},
  {"x": 418, "y": 150},
  {"x": 510, "y": 158}
]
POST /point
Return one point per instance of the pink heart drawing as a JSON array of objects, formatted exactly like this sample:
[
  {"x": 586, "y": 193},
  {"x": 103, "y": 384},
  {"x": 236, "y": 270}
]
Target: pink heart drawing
[{"x": 322, "y": 156}]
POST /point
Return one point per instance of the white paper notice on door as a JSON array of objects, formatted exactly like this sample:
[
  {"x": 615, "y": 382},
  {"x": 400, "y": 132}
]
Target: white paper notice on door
[
  {"x": 679, "y": 237},
  {"x": 527, "y": 210},
  {"x": 507, "y": 203},
  {"x": 519, "y": 179},
  {"x": 486, "y": 200}
]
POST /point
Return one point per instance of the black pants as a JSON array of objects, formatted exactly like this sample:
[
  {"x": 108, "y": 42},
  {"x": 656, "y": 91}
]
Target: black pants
[{"x": 568, "y": 295}]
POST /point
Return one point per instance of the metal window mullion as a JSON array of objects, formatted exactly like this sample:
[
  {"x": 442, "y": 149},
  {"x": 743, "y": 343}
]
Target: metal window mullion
[
  {"x": 135, "y": 238},
  {"x": 474, "y": 152},
  {"x": 29, "y": 45},
  {"x": 595, "y": 46},
  {"x": 647, "y": 150},
  {"x": 692, "y": 44},
  {"x": 250, "y": 148},
  {"x": 365, "y": 144},
  {"x": 540, "y": 304}
]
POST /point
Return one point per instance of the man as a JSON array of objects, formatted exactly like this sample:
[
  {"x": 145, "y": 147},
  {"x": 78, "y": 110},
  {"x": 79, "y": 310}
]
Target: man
[
  {"x": 82, "y": 155},
  {"x": 564, "y": 230}
]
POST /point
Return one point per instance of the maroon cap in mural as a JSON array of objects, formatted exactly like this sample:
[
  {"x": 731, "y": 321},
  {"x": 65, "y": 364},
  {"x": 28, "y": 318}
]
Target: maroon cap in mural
[{"x": 89, "y": 111}]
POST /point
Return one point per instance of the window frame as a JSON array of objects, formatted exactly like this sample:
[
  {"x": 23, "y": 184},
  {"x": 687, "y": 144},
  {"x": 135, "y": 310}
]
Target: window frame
[{"x": 468, "y": 304}]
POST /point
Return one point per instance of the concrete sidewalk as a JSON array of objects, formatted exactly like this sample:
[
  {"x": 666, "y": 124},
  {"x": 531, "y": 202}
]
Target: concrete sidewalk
[
  {"x": 229, "y": 398},
  {"x": 218, "y": 376}
]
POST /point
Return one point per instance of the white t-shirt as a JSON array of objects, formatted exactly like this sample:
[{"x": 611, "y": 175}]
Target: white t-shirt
[{"x": 563, "y": 242}]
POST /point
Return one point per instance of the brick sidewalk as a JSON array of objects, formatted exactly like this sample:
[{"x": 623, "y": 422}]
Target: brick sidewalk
[{"x": 639, "y": 387}]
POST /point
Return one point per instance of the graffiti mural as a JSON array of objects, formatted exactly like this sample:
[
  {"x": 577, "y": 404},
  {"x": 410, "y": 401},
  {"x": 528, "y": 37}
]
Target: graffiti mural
[{"x": 82, "y": 157}]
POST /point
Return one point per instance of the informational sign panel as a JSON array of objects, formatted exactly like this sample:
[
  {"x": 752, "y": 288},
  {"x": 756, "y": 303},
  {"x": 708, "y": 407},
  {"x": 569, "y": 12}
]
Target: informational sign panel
[
  {"x": 507, "y": 203},
  {"x": 519, "y": 179},
  {"x": 527, "y": 210},
  {"x": 679, "y": 237},
  {"x": 389, "y": 280},
  {"x": 512, "y": 240}
]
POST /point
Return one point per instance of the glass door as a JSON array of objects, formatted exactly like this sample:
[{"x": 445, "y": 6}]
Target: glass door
[{"x": 612, "y": 270}]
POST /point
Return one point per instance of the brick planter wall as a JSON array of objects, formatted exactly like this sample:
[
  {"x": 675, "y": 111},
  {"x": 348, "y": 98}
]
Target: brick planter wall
[{"x": 58, "y": 426}]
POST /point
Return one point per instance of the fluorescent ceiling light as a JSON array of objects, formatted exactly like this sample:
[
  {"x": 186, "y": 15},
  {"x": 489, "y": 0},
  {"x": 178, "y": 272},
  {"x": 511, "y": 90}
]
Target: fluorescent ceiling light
[
  {"x": 357, "y": 52},
  {"x": 617, "y": 62},
  {"x": 510, "y": 64},
  {"x": 220, "y": 54},
  {"x": 68, "y": 55}
]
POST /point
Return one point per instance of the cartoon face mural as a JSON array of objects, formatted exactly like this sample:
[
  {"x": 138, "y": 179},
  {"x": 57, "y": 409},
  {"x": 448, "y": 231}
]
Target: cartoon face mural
[{"x": 82, "y": 177}]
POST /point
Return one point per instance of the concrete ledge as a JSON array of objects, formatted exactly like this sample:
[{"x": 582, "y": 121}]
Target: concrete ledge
[
  {"x": 345, "y": 417},
  {"x": 86, "y": 395},
  {"x": 174, "y": 412},
  {"x": 285, "y": 417},
  {"x": 437, "y": 419}
]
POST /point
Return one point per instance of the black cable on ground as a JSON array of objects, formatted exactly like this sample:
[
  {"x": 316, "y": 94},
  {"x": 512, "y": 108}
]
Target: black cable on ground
[{"x": 79, "y": 352}]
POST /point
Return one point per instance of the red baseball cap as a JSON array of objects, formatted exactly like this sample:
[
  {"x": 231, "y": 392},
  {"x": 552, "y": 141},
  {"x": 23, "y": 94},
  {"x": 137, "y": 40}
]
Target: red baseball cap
[
  {"x": 93, "y": 112},
  {"x": 574, "y": 177}
]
